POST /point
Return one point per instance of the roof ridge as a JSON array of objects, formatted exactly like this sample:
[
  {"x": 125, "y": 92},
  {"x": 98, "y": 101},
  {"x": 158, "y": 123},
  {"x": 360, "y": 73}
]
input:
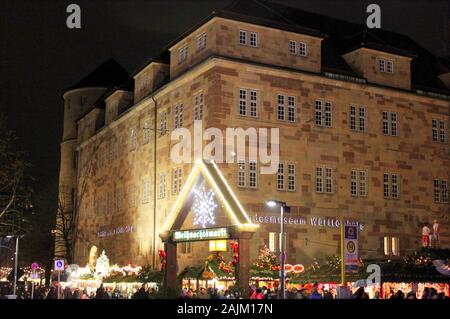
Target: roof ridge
[{"x": 275, "y": 12}]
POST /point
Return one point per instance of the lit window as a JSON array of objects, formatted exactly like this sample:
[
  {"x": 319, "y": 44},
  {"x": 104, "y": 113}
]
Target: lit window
[
  {"x": 391, "y": 246},
  {"x": 272, "y": 241},
  {"x": 217, "y": 245}
]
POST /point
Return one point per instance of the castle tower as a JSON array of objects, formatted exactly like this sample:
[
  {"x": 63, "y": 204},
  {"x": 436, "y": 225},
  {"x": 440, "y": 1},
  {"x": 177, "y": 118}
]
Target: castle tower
[{"x": 78, "y": 99}]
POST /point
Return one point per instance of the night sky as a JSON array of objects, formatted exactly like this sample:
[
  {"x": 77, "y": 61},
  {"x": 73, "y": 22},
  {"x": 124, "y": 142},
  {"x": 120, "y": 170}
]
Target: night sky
[{"x": 40, "y": 56}]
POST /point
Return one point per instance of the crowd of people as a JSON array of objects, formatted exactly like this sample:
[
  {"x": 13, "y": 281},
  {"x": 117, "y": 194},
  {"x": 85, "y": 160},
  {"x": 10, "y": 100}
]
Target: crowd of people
[
  {"x": 43, "y": 292},
  {"x": 294, "y": 293}
]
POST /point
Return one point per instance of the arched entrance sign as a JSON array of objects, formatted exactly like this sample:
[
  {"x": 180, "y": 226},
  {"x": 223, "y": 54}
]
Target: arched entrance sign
[{"x": 235, "y": 225}]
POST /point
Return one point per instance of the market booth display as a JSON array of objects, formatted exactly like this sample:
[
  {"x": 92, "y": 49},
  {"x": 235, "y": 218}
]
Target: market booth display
[{"x": 122, "y": 282}]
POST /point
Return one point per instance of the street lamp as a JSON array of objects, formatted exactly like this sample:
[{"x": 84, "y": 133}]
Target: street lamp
[{"x": 283, "y": 209}]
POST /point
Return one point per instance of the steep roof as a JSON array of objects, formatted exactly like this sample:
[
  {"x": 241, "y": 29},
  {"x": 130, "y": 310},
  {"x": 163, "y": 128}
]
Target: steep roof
[
  {"x": 108, "y": 74},
  {"x": 341, "y": 36},
  {"x": 209, "y": 172}
]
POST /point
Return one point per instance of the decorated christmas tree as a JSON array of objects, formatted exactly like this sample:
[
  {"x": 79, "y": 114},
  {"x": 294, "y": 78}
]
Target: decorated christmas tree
[
  {"x": 102, "y": 266},
  {"x": 266, "y": 265}
]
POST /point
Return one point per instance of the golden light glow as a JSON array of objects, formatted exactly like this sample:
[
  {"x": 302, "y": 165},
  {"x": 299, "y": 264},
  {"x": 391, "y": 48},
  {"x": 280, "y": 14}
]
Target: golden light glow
[
  {"x": 198, "y": 168},
  {"x": 217, "y": 245}
]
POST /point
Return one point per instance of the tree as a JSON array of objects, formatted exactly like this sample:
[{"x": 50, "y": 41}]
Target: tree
[
  {"x": 15, "y": 192},
  {"x": 69, "y": 204}
]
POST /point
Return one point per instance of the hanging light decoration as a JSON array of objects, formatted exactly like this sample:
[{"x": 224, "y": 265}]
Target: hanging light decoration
[{"x": 204, "y": 208}]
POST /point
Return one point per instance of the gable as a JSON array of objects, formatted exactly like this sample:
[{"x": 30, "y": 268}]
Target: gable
[{"x": 206, "y": 177}]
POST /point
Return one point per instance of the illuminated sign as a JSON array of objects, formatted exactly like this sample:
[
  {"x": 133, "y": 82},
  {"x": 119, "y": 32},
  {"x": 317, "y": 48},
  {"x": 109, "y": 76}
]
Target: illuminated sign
[
  {"x": 200, "y": 234},
  {"x": 303, "y": 221},
  {"x": 218, "y": 245},
  {"x": 351, "y": 248},
  {"x": 296, "y": 269}
]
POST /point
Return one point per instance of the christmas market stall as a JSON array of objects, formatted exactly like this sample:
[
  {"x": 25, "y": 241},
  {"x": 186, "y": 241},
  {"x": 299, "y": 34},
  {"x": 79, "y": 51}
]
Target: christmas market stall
[
  {"x": 122, "y": 282},
  {"x": 216, "y": 274}
]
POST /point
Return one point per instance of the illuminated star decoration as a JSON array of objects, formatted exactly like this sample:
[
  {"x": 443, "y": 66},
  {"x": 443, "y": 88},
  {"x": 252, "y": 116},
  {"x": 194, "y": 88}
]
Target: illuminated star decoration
[{"x": 204, "y": 207}]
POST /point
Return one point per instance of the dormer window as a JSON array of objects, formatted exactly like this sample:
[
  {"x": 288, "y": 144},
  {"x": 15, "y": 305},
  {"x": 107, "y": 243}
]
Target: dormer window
[
  {"x": 253, "y": 39},
  {"x": 182, "y": 54},
  {"x": 297, "y": 48},
  {"x": 386, "y": 66},
  {"x": 201, "y": 42},
  {"x": 248, "y": 38}
]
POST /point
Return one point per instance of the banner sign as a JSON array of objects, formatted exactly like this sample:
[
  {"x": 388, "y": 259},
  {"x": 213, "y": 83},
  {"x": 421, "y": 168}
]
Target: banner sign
[
  {"x": 351, "y": 248},
  {"x": 200, "y": 234}
]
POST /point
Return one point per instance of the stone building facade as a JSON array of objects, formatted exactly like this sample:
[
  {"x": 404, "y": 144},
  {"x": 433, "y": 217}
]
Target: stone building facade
[{"x": 360, "y": 141}]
